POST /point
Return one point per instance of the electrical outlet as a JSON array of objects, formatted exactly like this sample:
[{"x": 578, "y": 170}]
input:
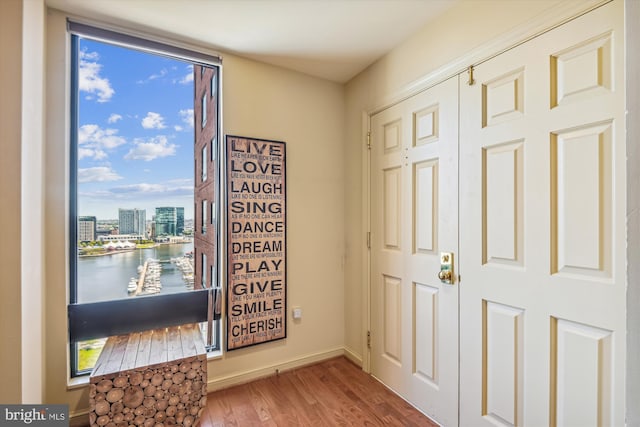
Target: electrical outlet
[{"x": 297, "y": 313}]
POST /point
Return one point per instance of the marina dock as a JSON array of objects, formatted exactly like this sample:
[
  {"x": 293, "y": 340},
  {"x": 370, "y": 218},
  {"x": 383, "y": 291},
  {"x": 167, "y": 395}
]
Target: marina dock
[
  {"x": 143, "y": 273},
  {"x": 148, "y": 280}
]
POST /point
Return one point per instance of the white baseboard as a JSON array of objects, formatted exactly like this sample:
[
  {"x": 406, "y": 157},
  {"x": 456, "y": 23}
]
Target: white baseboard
[
  {"x": 244, "y": 377},
  {"x": 353, "y": 356}
]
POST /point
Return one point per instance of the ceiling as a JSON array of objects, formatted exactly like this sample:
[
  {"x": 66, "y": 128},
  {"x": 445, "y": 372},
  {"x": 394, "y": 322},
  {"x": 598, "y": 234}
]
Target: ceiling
[{"x": 331, "y": 39}]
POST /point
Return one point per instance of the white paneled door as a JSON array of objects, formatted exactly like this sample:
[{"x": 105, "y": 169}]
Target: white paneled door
[
  {"x": 542, "y": 230},
  {"x": 414, "y": 157},
  {"x": 534, "y": 333}
]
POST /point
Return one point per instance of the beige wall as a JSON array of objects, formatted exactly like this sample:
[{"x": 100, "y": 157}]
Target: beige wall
[
  {"x": 10, "y": 140},
  {"x": 308, "y": 114},
  {"x": 258, "y": 101},
  {"x": 21, "y": 290}
]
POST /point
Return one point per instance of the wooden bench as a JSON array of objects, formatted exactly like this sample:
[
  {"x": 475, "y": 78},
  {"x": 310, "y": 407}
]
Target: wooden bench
[{"x": 150, "y": 378}]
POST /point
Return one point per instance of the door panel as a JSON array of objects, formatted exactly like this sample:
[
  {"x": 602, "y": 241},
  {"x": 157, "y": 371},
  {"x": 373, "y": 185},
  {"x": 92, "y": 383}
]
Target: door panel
[
  {"x": 542, "y": 239},
  {"x": 414, "y": 217}
]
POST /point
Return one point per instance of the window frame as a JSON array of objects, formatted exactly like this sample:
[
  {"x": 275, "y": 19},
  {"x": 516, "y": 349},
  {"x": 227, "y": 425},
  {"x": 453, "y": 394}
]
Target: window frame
[{"x": 114, "y": 317}]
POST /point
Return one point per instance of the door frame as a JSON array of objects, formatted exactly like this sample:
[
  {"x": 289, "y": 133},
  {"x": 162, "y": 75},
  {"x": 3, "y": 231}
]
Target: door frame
[
  {"x": 632, "y": 68},
  {"x": 553, "y": 18}
]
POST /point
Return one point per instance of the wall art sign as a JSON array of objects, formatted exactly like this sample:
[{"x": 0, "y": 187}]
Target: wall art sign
[{"x": 256, "y": 241}]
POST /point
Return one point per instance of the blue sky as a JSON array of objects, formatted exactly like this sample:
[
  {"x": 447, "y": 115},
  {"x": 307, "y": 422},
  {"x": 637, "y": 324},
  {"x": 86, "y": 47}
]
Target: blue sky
[{"x": 135, "y": 136}]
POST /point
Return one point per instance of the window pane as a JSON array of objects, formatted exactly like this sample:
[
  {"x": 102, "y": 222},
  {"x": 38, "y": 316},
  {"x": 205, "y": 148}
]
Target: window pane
[
  {"x": 135, "y": 150},
  {"x": 204, "y": 271},
  {"x": 88, "y": 352},
  {"x": 204, "y": 110},
  {"x": 134, "y": 171},
  {"x": 204, "y": 163},
  {"x": 204, "y": 216}
]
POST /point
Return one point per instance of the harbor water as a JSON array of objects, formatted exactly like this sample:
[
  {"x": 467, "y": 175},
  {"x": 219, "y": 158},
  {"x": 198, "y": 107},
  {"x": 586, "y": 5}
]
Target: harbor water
[{"x": 103, "y": 278}]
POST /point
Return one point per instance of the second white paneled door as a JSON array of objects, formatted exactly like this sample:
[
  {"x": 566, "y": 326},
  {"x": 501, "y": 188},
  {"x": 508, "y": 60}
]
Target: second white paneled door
[{"x": 542, "y": 230}]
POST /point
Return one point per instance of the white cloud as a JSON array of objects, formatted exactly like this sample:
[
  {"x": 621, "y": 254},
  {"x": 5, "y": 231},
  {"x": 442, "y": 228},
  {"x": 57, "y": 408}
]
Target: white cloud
[
  {"x": 90, "y": 80},
  {"x": 152, "y": 77},
  {"x": 178, "y": 128},
  {"x": 114, "y": 118},
  {"x": 93, "y": 136},
  {"x": 151, "y": 149},
  {"x": 96, "y": 154},
  {"x": 186, "y": 79},
  {"x": 97, "y": 174},
  {"x": 153, "y": 121},
  {"x": 187, "y": 116},
  {"x": 139, "y": 188},
  {"x": 89, "y": 56},
  {"x": 181, "y": 182},
  {"x": 147, "y": 189}
]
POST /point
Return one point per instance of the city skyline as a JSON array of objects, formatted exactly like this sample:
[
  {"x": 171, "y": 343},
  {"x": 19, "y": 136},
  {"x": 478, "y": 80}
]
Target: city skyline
[{"x": 135, "y": 131}]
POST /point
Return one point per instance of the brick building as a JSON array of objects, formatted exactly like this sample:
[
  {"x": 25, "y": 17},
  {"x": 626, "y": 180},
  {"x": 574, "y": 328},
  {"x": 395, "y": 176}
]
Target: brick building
[{"x": 206, "y": 179}]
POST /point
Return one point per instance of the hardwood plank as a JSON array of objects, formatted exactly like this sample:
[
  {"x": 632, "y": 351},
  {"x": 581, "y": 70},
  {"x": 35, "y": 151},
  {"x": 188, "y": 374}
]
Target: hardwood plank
[
  {"x": 243, "y": 411},
  {"x": 300, "y": 409},
  {"x": 220, "y": 411},
  {"x": 332, "y": 393},
  {"x": 260, "y": 403},
  {"x": 332, "y": 396}
]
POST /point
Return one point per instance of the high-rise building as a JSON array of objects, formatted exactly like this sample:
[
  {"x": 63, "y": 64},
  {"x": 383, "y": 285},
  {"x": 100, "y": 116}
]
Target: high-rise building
[
  {"x": 87, "y": 228},
  {"x": 206, "y": 175},
  {"x": 132, "y": 221},
  {"x": 169, "y": 221},
  {"x": 179, "y": 221}
]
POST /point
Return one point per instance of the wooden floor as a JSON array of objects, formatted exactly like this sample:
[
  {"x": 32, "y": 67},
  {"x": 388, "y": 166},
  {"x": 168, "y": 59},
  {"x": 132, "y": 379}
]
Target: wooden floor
[{"x": 332, "y": 393}]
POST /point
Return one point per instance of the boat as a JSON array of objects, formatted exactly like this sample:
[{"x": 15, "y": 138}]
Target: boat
[{"x": 133, "y": 285}]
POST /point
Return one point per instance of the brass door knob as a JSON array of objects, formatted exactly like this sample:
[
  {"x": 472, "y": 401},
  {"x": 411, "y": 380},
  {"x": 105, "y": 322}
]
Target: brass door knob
[{"x": 444, "y": 275}]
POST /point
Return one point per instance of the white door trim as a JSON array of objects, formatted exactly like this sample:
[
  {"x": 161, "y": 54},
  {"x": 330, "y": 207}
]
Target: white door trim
[{"x": 632, "y": 64}]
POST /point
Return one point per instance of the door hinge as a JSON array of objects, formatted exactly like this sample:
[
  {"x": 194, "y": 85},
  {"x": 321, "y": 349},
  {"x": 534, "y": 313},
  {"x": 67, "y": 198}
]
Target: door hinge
[
  {"x": 368, "y": 339},
  {"x": 471, "y": 81},
  {"x": 369, "y": 140},
  {"x": 368, "y": 240}
]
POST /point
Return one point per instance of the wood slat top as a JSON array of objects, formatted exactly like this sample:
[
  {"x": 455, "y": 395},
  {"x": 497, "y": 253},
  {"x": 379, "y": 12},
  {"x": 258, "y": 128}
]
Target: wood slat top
[{"x": 148, "y": 348}]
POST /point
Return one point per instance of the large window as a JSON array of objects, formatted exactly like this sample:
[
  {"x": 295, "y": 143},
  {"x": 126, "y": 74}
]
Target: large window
[{"x": 140, "y": 171}]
